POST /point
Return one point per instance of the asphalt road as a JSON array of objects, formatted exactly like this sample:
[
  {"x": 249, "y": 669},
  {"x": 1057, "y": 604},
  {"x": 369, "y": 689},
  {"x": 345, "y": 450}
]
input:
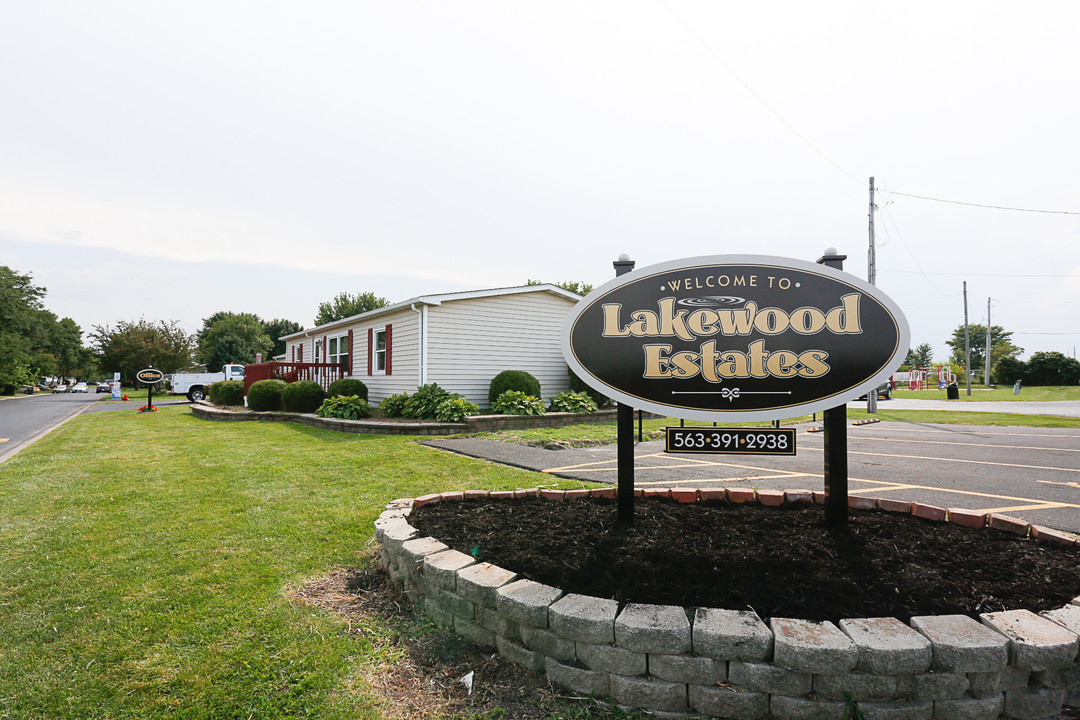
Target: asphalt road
[{"x": 1031, "y": 473}]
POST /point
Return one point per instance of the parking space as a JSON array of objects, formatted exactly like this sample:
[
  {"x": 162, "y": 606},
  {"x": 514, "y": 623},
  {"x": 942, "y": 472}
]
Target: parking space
[{"x": 1029, "y": 473}]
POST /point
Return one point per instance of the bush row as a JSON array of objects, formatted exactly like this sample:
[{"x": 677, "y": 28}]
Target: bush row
[{"x": 512, "y": 392}]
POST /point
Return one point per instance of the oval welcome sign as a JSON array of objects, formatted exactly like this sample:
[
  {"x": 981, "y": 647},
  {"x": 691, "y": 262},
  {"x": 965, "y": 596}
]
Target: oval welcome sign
[
  {"x": 735, "y": 337},
  {"x": 150, "y": 376}
]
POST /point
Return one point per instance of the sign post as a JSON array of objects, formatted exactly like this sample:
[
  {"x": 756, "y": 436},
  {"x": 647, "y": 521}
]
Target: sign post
[
  {"x": 834, "y": 425},
  {"x": 624, "y": 425},
  {"x": 151, "y": 377},
  {"x": 743, "y": 338}
]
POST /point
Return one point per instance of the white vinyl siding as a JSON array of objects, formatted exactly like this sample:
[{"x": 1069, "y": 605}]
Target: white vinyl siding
[{"x": 471, "y": 341}]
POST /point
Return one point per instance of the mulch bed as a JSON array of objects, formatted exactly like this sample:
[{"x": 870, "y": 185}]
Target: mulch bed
[{"x": 780, "y": 562}]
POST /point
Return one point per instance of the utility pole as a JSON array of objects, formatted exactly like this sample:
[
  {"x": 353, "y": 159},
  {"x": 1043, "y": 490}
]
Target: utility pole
[
  {"x": 871, "y": 277},
  {"x": 986, "y": 377},
  {"x": 967, "y": 345}
]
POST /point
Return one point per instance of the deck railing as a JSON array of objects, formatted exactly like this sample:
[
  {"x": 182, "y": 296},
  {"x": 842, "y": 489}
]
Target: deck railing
[{"x": 290, "y": 372}]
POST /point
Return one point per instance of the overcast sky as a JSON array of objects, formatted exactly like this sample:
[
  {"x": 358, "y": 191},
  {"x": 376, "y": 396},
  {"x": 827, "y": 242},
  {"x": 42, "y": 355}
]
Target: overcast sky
[{"x": 173, "y": 160}]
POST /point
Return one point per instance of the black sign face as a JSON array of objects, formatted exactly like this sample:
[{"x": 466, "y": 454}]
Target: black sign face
[
  {"x": 150, "y": 376},
  {"x": 730, "y": 441},
  {"x": 735, "y": 336}
]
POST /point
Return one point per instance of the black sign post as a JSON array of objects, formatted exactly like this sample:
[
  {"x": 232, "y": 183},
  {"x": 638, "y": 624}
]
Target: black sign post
[
  {"x": 834, "y": 425},
  {"x": 624, "y": 425},
  {"x": 151, "y": 377}
]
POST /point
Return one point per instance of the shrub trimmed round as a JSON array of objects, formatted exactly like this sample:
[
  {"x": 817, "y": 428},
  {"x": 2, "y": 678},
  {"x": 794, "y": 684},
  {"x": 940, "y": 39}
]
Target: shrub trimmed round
[
  {"x": 302, "y": 397},
  {"x": 265, "y": 395},
  {"x": 227, "y": 392},
  {"x": 347, "y": 386},
  {"x": 518, "y": 380}
]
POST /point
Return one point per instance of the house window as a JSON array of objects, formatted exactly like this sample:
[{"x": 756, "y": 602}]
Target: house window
[
  {"x": 318, "y": 351},
  {"x": 380, "y": 351},
  {"x": 338, "y": 350}
]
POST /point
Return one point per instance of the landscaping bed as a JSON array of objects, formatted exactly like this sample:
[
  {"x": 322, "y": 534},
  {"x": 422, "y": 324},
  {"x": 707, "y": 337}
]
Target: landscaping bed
[{"x": 776, "y": 561}]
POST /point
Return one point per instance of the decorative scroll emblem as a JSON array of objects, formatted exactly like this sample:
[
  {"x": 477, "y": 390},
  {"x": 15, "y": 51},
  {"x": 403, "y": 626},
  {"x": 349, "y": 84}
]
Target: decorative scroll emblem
[{"x": 793, "y": 338}]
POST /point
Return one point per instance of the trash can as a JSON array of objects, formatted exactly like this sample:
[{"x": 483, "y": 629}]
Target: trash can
[{"x": 952, "y": 391}]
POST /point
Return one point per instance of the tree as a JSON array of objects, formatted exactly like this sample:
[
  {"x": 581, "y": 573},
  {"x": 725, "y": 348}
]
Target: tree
[
  {"x": 1008, "y": 370},
  {"x": 277, "y": 328},
  {"x": 1052, "y": 368},
  {"x": 232, "y": 338},
  {"x": 346, "y": 305},
  {"x": 135, "y": 345},
  {"x": 1001, "y": 346},
  {"x": 920, "y": 357},
  {"x": 33, "y": 342},
  {"x": 574, "y": 286}
]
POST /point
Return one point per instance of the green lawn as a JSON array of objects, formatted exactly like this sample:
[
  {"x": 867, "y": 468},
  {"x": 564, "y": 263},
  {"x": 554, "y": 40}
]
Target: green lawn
[
  {"x": 998, "y": 394},
  {"x": 145, "y": 561}
]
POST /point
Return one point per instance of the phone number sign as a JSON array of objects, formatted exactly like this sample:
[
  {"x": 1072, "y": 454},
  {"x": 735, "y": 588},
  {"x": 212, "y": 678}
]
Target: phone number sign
[{"x": 732, "y": 441}]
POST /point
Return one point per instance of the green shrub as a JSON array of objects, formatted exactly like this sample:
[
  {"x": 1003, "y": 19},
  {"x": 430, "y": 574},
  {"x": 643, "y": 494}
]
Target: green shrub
[
  {"x": 347, "y": 386},
  {"x": 227, "y": 392},
  {"x": 578, "y": 385},
  {"x": 347, "y": 407},
  {"x": 425, "y": 401},
  {"x": 394, "y": 406},
  {"x": 455, "y": 409},
  {"x": 515, "y": 402},
  {"x": 265, "y": 395},
  {"x": 513, "y": 380},
  {"x": 574, "y": 402},
  {"x": 302, "y": 397}
]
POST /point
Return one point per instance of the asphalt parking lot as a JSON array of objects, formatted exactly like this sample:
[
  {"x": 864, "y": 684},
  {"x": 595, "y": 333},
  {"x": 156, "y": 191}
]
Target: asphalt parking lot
[{"x": 1031, "y": 473}]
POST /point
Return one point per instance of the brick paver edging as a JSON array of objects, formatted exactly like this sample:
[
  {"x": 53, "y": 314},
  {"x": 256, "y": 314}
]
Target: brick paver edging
[
  {"x": 730, "y": 664},
  {"x": 476, "y": 423}
]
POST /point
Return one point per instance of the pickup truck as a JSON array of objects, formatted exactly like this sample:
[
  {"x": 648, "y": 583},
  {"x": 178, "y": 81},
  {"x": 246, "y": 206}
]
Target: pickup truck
[{"x": 194, "y": 385}]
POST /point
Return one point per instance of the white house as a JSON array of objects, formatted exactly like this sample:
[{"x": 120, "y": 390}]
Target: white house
[{"x": 459, "y": 340}]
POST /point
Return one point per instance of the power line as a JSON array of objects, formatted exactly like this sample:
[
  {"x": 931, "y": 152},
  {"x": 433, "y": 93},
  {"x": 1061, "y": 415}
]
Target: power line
[
  {"x": 778, "y": 116},
  {"x": 968, "y": 274},
  {"x": 980, "y": 205}
]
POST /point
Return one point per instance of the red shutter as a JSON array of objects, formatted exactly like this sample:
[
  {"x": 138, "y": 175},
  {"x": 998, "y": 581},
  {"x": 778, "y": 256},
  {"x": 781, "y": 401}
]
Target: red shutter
[
  {"x": 388, "y": 346},
  {"x": 325, "y": 351},
  {"x": 370, "y": 348},
  {"x": 300, "y": 352},
  {"x": 293, "y": 355},
  {"x": 348, "y": 363}
]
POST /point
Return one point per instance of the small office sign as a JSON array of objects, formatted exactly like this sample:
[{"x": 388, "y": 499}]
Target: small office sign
[{"x": 735, "y": 338}]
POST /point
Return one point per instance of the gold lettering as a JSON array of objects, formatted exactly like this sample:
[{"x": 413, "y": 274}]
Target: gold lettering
[
  {"x": 700, "y": 322},
  {"x": 756, "y": 354},
  {"x": 771, "y": 321},
  {"x": 844, "y": 318},
  {"x": 807, "y": 321},
  {"x": 611, "y": 322},
  {"x": 671, "y": 322},
  {"x": 656, "y": 364},
  {"x": 782, "y": 363},
  {"x": 813, "y": 363}
]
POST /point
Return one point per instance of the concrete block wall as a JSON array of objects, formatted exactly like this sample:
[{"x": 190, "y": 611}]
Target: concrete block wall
[
  {"x": 710, "y": 662},
  {"x": 476, "y": 423}
]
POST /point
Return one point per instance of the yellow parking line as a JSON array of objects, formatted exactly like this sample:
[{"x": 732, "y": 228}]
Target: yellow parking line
[
  {"x": 955, "y": 460},
  {"x": 964, "y": 444},
  {"x": 1035, "y": 506},
  {"x": 4, "y": 439},
  {"x": 890, "y": 486}
]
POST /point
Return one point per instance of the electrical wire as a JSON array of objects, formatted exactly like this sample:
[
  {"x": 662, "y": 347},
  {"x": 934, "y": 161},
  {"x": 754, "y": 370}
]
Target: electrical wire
[
  {"x": 778, "y": 116},
  {"x": 990, "y": 207}
]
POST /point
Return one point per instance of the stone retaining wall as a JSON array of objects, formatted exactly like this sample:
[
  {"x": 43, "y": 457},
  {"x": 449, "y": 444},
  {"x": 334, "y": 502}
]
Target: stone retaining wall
[
  {"x": 730, "y": 664},
  {"x": 474, "y": 424}
]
